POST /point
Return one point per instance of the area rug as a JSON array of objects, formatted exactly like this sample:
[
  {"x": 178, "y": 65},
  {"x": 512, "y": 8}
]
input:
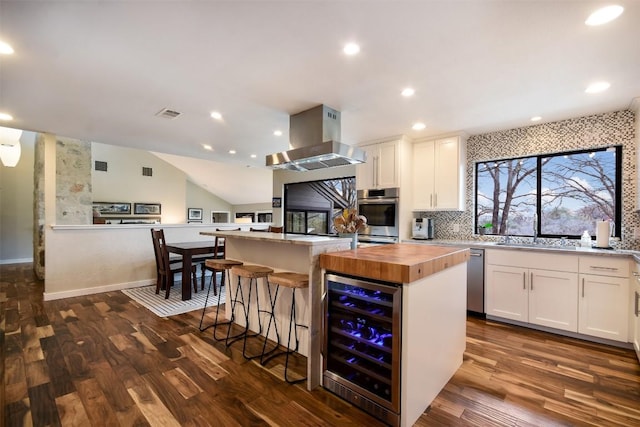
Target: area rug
[{"x": 147, "y": 296}]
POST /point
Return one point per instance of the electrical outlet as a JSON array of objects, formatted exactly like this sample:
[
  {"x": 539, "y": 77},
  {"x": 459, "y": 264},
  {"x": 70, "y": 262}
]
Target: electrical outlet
[{"x": 456, "y": 228}]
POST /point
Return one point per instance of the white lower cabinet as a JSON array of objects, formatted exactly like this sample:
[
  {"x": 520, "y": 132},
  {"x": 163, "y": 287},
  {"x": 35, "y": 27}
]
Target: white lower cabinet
[
  {"x": 603, "y": 306},
  {"x": 553, "y": 299},
  {"x": 541, "y": 297},
  {"x": 586, "y": 294}
]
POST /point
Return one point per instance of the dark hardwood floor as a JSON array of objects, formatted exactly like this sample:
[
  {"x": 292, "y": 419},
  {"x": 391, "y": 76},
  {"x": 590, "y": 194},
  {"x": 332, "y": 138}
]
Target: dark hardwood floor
[{"x": 104, "y": 360}]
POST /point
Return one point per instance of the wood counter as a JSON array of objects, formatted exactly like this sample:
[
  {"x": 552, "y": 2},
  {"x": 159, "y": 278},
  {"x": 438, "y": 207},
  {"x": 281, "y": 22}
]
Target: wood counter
[{"x": 399, "y": 263}]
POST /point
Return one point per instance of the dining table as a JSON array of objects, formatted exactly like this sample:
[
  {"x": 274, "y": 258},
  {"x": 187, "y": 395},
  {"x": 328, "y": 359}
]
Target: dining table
[{"x": 189, "y": 251}]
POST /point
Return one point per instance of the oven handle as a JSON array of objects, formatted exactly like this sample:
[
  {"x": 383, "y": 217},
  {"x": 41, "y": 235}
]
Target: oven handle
[{"x": 378, "y": 201}]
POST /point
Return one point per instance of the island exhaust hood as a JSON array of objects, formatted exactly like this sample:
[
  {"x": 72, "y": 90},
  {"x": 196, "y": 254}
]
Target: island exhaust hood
[{"x": 314, "y": 139}]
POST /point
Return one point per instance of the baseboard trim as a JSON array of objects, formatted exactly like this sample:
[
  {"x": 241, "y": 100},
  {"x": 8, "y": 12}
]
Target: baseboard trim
[
  {"x": 16, "y": 261},
  {"x": 49, "y": 296},
  {"x": 561, "y": 332}
]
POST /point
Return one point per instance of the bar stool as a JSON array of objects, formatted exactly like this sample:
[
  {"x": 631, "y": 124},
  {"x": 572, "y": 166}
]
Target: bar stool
[
  {"x": 253, "y": 273},
  {"x": 215, "y": 265},
  {"x": 293, "y": 281}
]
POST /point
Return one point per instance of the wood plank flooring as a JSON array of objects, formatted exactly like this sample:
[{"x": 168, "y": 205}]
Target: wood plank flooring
[{"x": 104, "y": 360}]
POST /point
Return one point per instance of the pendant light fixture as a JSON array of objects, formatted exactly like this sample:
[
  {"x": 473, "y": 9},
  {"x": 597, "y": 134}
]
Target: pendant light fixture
[{"x": 10, "y": 149}]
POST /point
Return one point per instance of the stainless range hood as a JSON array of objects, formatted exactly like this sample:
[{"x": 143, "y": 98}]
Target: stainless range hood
[{"x": 314, "y": 139}]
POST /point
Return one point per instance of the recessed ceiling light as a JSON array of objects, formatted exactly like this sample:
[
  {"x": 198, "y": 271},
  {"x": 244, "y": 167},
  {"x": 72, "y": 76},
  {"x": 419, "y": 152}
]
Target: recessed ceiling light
[
  {"x": 253, "y": 156},
  {"x": 408, "y": 92},
  {"x": 6, "y": 117},
  {"x": 597, "y": 87},
  {"x": 232, "y": 151},
  {"x": 5, "y": 48},
  {"x": 277, "y": 132},
  {"x": 418, "y": 126},
  {"x": 216, "y": 115},
  {"x": 351, "y": 49},
  {"x": 207, "y": 147},
  {"x": 536, "y": 118},
  {"x": 604, "y": 15}
]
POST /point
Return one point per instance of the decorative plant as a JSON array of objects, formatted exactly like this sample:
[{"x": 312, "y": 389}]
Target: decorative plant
[
  {"x": 349, "y": 222},
  {"x": 488, "y": 225}
]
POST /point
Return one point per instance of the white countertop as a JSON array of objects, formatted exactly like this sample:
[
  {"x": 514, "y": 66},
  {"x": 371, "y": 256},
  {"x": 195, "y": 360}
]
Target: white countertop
[
  {"x": 485, "y": 244},
  {"x": 294, "y": 239}
]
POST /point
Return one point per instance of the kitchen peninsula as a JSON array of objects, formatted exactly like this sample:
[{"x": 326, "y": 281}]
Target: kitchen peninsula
[{"x": 396, "y": 325}]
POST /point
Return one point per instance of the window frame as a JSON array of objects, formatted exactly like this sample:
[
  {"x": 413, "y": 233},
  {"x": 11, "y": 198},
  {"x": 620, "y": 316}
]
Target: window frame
[{"x": 539, "y": 177}]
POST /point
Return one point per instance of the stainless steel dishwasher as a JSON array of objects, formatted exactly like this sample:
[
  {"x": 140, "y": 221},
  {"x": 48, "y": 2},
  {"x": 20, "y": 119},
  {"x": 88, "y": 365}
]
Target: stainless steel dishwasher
[{"x": 475, "y": 281}]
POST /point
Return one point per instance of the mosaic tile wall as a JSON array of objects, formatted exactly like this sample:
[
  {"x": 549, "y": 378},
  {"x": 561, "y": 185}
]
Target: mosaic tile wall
[{"x": 616, "y": 128}]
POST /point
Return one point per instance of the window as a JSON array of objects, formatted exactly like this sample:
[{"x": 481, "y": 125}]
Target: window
[
  {"x": 559, "y": 194},
  {"x": 306, "y": 222},
  {"x": 309, "y": 207}
]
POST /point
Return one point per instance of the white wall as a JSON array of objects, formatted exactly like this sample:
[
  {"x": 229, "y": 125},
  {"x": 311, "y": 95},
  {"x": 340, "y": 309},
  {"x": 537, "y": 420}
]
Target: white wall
[
  {"x": 198, "y": 197},
  {"x": 123, "y": 181},
  {"x": 16, "y": 206}
]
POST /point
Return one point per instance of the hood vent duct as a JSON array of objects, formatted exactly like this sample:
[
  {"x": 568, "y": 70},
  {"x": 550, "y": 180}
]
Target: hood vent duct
[{"x": 314, "y": 137}]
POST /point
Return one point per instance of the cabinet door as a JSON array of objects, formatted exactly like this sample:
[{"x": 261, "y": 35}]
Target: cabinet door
[
  {"x": 365, "y": 172},
  {"x": 381, "y": 167},
  {"x": 553, "y": 299},
  {"x": 604, "y": 307},
  {"x": 423, "y": 165},
  {"x": 387, "y": 170},
  {"x": 447, "y": 189},
  {"x": 506, "y": 292}
]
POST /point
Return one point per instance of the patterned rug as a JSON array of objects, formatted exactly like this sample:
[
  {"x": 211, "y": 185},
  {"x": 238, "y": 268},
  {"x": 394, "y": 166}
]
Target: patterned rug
[{"x": 147, "y": 296}]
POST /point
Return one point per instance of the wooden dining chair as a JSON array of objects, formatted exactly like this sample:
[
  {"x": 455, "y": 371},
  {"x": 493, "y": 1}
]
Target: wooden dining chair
[{"x": 166, "y": 269}]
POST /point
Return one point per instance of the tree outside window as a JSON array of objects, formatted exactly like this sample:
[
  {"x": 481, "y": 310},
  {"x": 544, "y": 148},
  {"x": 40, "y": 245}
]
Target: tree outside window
[{"x": 561, "y": 194}]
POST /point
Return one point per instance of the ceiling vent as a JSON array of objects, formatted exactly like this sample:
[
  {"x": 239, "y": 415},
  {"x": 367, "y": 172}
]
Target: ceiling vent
[{"x": 168, "y": 114}]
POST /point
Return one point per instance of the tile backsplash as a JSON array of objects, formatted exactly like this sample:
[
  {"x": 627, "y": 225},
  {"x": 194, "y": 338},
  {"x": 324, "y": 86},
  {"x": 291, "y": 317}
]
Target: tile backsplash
[{"x": 600, "y": 130}]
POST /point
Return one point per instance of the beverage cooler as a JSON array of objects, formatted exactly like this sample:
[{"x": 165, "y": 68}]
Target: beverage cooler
[{"x": 361, "y": 352}]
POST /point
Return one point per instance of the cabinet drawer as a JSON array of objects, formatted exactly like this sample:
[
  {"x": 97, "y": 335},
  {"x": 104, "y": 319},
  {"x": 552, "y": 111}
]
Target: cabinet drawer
[
  {"x": 604, "y": 266},
  {"x": 532, "y": 259}
]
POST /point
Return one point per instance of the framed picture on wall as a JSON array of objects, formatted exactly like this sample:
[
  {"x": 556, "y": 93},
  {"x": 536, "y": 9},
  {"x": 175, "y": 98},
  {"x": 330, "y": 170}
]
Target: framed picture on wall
[
  {"x": 112, "y": 208},
  {"x": 194, "y": 214},
  {"x": 147, "y": 208}
]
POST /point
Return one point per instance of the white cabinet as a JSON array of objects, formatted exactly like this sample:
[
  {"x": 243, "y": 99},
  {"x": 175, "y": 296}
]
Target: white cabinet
[
  {"x": 382, "y": 167},
  {"x": 541, "y": 297},
  {"x": 506, "y": 293},
  {"x": 604, "y": 298},
  {"x": 438, "y": 174},
  {"x": 553, "y": 299}
]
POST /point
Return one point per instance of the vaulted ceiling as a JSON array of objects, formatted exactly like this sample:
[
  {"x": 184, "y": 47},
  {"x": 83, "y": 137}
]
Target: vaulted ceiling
[{"x": 101, "y": 70}]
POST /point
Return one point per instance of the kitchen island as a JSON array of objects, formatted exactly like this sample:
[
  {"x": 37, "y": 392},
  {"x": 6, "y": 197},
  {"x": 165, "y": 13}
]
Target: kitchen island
[
  {"x": 287, "y": 252},
  {"x": 393, "y": 363}
]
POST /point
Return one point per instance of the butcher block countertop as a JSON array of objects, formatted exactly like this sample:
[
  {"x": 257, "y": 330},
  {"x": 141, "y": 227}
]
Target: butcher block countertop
[{"x": 399, "y": 263}]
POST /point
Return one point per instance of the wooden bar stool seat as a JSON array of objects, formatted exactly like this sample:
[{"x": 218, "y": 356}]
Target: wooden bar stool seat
[
  {"x": 253, "y": 273},
  {"x": 293, "y": 281},
  {"x": 215, "y": 265}
]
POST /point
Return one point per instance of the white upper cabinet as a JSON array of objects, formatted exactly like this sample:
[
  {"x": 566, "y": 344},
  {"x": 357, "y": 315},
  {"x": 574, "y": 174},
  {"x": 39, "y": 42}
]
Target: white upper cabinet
[
  {"x": 382, "y": 167},
  {"x": 438, "y": 174}
]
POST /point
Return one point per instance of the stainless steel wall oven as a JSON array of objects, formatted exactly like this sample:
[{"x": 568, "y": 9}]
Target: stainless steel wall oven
[
  {"x": 361, "y": 352},
  {"x": 380, "y": 207}
]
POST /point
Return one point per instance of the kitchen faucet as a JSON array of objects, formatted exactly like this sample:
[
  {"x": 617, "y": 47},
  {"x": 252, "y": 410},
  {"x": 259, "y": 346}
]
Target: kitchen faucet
[
  {"x": 507, "y": 238},
  {"x": 535, "y": 228}
]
